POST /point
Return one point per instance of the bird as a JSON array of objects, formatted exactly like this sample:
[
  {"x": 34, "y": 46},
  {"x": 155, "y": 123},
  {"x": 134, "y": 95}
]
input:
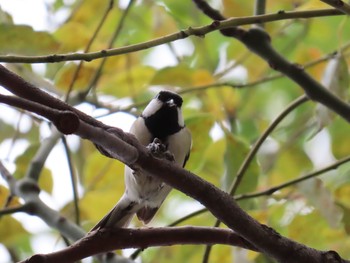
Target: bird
[{"x": 162, "y": 120}]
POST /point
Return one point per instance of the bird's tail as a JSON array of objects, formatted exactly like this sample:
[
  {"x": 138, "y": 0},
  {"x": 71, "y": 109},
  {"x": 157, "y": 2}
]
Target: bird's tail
[{"x": 120, "y": 215}]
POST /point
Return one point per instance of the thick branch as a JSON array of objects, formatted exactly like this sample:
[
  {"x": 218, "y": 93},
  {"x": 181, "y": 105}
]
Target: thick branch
[
  {"x": 259, "y": 42},
  {"x": 66, "y": 118},
  {"x": 111, "y": 239},
  {"x": 219, "y": 203},
  {"x": 28, "y": 189}
]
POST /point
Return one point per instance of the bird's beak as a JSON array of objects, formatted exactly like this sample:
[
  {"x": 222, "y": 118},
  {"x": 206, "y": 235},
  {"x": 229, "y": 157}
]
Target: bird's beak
[{"x": 170, "y": 103}]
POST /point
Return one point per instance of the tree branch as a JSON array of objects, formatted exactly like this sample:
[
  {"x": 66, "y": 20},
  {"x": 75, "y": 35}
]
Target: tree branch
[
  {"x": 339, "y": 4},
  {"x": 111, "y": 239},
  {"x": 273, "y": 189},
  {"x": 88, "y": 46},
  {"x": 252, "y": 153},
  {"x": 39, "y": 159},
  {"x": 259, "y": 42},
  {"x": 127, "y": 149},
  {"x": 192, "y": 31}
]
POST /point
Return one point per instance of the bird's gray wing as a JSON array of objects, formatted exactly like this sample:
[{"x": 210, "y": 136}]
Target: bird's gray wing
[{"x": 119, "y": 216}]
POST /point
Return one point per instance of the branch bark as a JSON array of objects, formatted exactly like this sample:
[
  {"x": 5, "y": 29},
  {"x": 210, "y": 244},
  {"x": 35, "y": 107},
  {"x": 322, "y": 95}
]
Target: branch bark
[
  {"x": 258, "y": 41},
  {"x": 191, "y": 31},
  {"x": 111, "y": 239},
  {"x": 219, "y": 203}
]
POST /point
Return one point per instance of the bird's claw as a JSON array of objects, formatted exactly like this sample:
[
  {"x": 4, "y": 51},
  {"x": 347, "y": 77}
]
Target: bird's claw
[{"x": 159, "y": 150}]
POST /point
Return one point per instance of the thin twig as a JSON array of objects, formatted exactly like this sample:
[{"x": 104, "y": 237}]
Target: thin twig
[
  {"x": 37, "y": 162},
  {"x": 260, "y": 9},
  {"x": 271, "y": 190},
  {"x": 11, "y": 210},
  {"x": 241, "y": 171},
  {"x": 126, "y": 148},
  {"x": 219, "y": 84},
  {"x": 192, "y": 31},
  {"x": 88, "y": 46},
  {"x": 250, "y": 156},
  {"x": 114, "y": 37},
  {"x": 7, "y": 176},
  {"x": 73, "y": 180},
  {"x": 339, "y": 4}
]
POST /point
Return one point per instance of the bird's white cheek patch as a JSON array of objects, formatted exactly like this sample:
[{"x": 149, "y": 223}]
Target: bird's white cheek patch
[
  {"x": 152, "y": 108},
  {"x": 180, "y": 118}
]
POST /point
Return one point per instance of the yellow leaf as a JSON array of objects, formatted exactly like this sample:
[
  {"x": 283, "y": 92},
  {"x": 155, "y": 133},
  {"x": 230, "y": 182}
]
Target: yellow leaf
[
  {"x": 312, "y": 4},
  {"x": 173, "y": 76},
  {"x": 65, "y": 75},
  {"x": 23, "y": 160},
  {"x": 342, "y": 195},
  {"x": 163, "y": 24},
  {"x": 103, "y": 172},
  {"x": 19, "y": 39},
  {"x": 221, "y": 101},
  {"x": 202, "y": 77},
  {"x": 292, "y": 155},
  {"x": 4, "y": 194},
  {"x": 81, "y": 33},
  {"x": 199, "y": 125},
  {"x": 83, "y": 13},
  {"x": 95, "y": 204},
  {"x": 129, "y": 82},
  {"x": 46, "y": 180},
  {"x": 320, "y": 197},
  {"x": 236, "y": 8},
  {"x": 212, "y": 163},
  {"x": 11, "y": 231}
]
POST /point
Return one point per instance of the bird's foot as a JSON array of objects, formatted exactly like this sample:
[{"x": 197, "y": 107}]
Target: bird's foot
[{"x": 159, "y": 150}]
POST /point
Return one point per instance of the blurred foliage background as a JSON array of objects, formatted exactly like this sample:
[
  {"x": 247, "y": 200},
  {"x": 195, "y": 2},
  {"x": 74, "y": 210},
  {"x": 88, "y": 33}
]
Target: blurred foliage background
[{"x": 231, "y": 97}]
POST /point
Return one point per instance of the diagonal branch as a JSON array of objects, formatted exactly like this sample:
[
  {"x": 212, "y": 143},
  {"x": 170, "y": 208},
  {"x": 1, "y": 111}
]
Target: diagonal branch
[
  {"x": 126, "y": 148},
  {"x": 339, "y": 4},
  {"x": 259, "y": 42}
]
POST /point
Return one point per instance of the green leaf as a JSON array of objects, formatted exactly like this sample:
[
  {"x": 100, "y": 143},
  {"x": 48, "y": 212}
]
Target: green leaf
[
  {"x": 321, "y": 198},
  {"x": 81, "y": 32},
  {"x": 173, "y": 76},
  {"x": 7, "y": 131},
  {"x": 199, "y": 125},
  {"x": 128, "y": 82},
  {"x": 65, "y": 75},
  {"x": 46, "y": 180},
  {"x": 22, "y": 165},
  {"x": 346, "y": 218},
  {"x": 236, "y": 152},
  {"x": 319, "y": 235},
  {"x": 11, "y": 231},
  {"x": 31, "y": 42},
  {"x": 290, "y": 164},
  {"x": 104, "y": 184},
  {"x": 188, "y": 253},
  {"x": 212, "y": 163},
  {"x": 339, "y": 131},
  {"x": 100, "y": 171},
  {"x": 336, "y": 80}
]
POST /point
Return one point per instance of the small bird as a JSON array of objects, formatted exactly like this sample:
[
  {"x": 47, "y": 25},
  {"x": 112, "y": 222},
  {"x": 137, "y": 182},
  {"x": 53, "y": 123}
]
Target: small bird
[{"x": 161, "y": 119}]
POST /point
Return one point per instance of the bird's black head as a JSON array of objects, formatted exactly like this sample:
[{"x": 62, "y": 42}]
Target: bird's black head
[
  {"x": 163, "y": 115},
  {"x": 168, "y": 96}
]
